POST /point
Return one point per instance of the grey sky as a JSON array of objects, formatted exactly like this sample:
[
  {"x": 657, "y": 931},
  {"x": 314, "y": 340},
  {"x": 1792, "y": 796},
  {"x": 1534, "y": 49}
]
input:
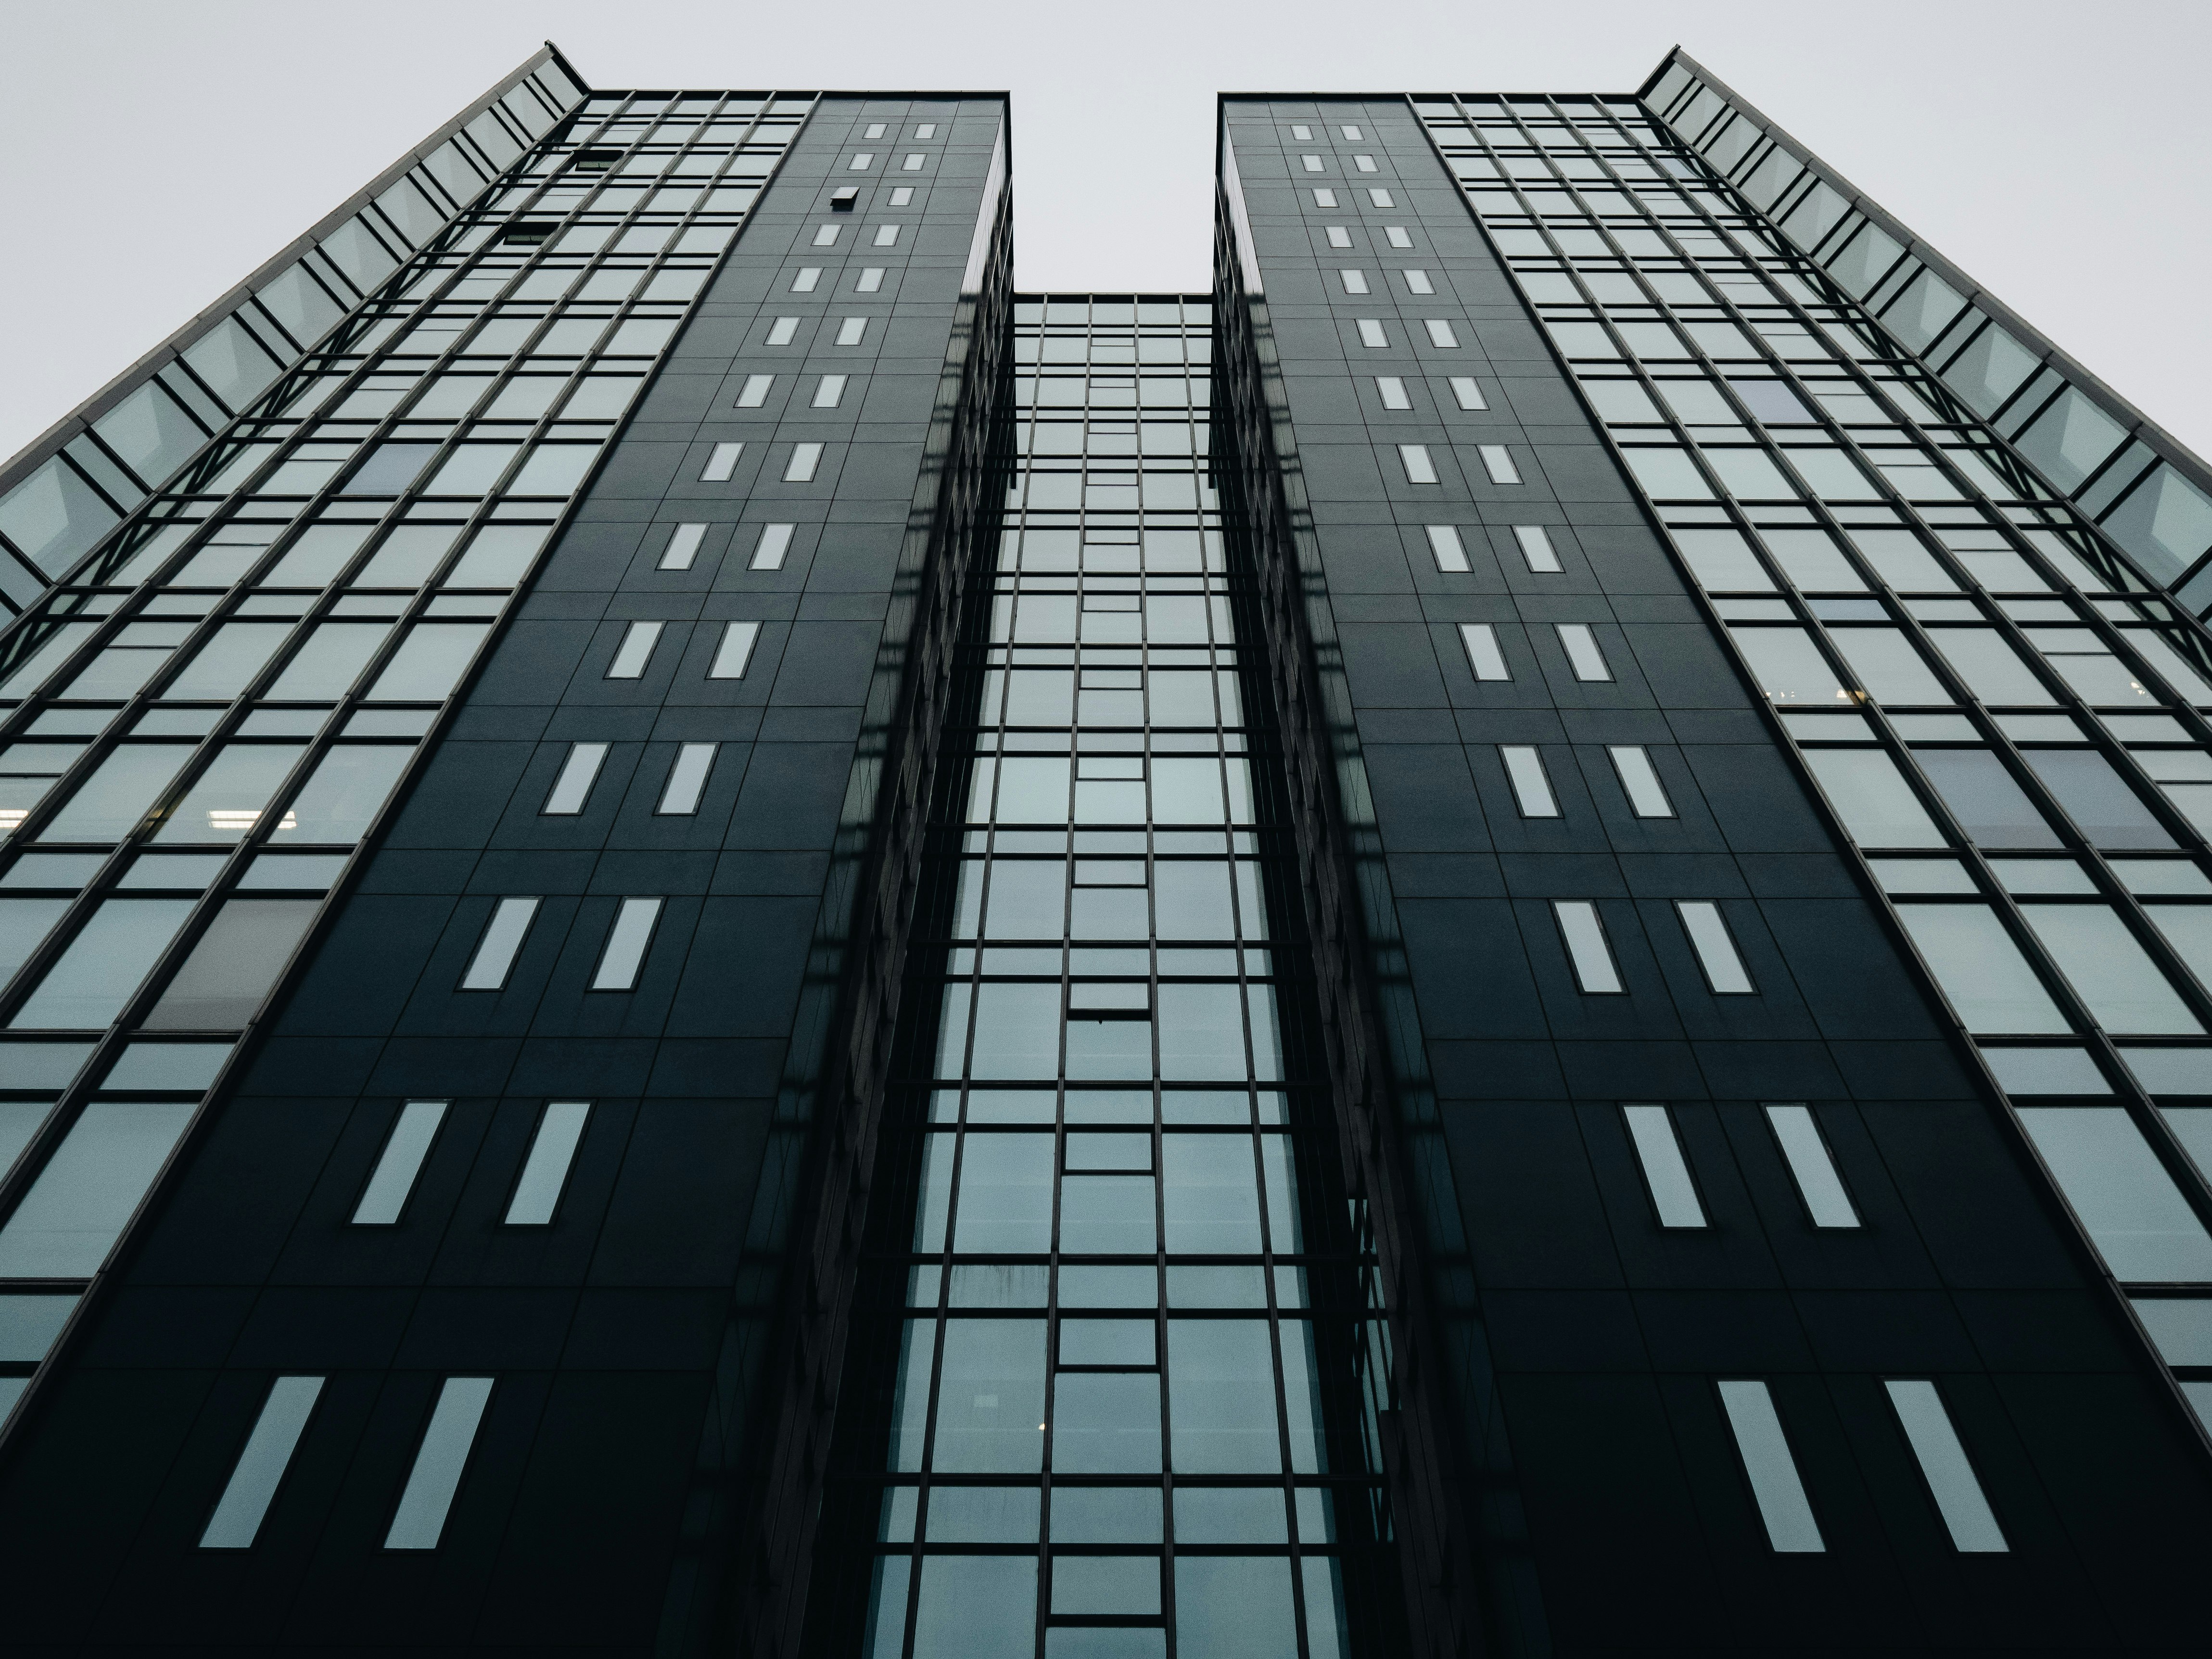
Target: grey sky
[{"x": 154, "y": 153}]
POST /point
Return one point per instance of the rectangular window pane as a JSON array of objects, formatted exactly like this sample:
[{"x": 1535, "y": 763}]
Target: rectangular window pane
[
  {"x": 495, "y": 951},
  {"x": 77, "y": 1207},
  {"x": 852, "y": 330},
  {"x": 782, "y": 331},
  {"x": 1497, "y": 462},
  {"x": 1536, "y": 548},
  {"x": 260, "y": 1467},
  {"x": 735, "y": 651},
  {"x": 1583, "y": 653},
  {"x": 805, "y": 282},
  {"x": 1391, "y": 389},
  {"x": 768, "y": 551},
  {"x": 234, "y": 965},
  {"x": 1444, "y": 544},
  {"x": 754, "y": 392},
  {"x": 912, "y": 162},
  {"x": 436, "y": 1476},
  {"x": 1771, "y": 1470},
  {"x": 805, "y": 458},
  {"x": 1822, "y": 1188},
  {"x": 1466, "y": 394},
  {"x": 1980, "y": 969},
  {"x": 545, "y": 1170},
  {"x": 634, "y": 651},
  {"x": 872, "y": 279},
  {"x": 1338, "y": 236},
  {"x": 1419, "y": 468},
  {"x": 1355, "y": 282},
  {"x": 95, "y": 975},
  {"x": 1666, "y": 1171},
  {"x": 1324, "y": 198},
  {"x": 1417, "y": 282},
  {"x": 2134, "y": 1213},
  {"x": 887, "y": 235},
  {"x": 1399, "y": 236},
  {"x": 826, "y": 235},
  {"x": 1440, "y": 333},
  {"x": 1371, "y": 334},
  {"x": 1586, "y": 947},
  {"x": 1378, "y": 197},
  {"x": 830, "y": 391},
  {"x": 1951, "y": 1479},
  {"x": 573, "y": 786},
  {"x": 1483, "y": 655},
  {"x": 1532, "y": 790},
  {"x": 721, "y": 464},
  {"x": 1715, "y": 947},
  {"x": 1639, "y": 781},
  {"x": 393, "y": 1178},
  {"x": 683, "y": 546},
  {"x": 626, "y": 942},
  {"x": 686, "y": 778}
]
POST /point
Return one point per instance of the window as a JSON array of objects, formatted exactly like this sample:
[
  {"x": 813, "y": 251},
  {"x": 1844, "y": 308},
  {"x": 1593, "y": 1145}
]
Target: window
[
  {"x": 495, "y": 951},
  {"x": 1351, "y": 134},
  {"x": 735, "y": 651},
  {"x": 634, "y": 651},
  {"x": 545, "y": 1168},
  {"x": 626, "y": 941},
  {"x": 1398, "y": 235},
  {"x": 1380, "y": 198},
  {"x": 1338, "y": 236},
  {"x": 683, "y": 546},
  {"x": 1981, "y": 970},
  {"x": 687, "y": 778},
  {"x": 1365, "y": 163},
  {"x": 1583, "y": 653},
  {"x": 1441, "y": 334},
  {"x": 1311, "y": 163},
  {"x": 852, "y": 329},
  {"x": 1666, "y": 1171},
  {"x": 782, "y": 331},
  {"x": 1586, "y": 946},
  {"x": 1371, "y": 335},
  {"x": 1393, "y": 390},
  {"x": 401, "y": 1161},
  {"x": 1355, "y": 282},
  {"x": 805, "y": 458},
  {"x": 1537, "y": 550},
  {"x": 887, "y": 235},
  {"x": 1419, "y": 468},
  {"x": 1532, "y": 789},
  {"x": 722, "y": 464},
  {"x": 768, "y": 551},
  {"x": 1417, "y": 282},
  {"x": 1639, "y": 781},
  {"x": 902, "y": 196},
  {"x": 1950, "y": 1479},
  {"x": 1466, "y": 394},
  {"x": 861, "y": 161},
  {"x": 439, "y": 1462},
  {"x": 754, "y": 392},
  {"x": 2133, "y": 1211},
  {"x": 808, "y": 276},
  {"x": 1497, "y": 462},
  {"x": 1772, "y": 1472},
  {"x": 826, "y": 235},
  {"x": 926, "y": 130},
  {"x": 1480, "y": 641},
  {"x": 872, "y": 279},
  {"x": 261, "y": 1465},
  {"x": 78, "y": 1206},
  {"x": 1818, "y": 1184},
  {"x": 1445, "y": 545},
  {"x": 1715, "y": 947},
  {"x": 1325, "y": 198},
  {"x": 830, "y": 391},
  {"x": 574, "y": 786},
  {"x": 875, "y": 130}
]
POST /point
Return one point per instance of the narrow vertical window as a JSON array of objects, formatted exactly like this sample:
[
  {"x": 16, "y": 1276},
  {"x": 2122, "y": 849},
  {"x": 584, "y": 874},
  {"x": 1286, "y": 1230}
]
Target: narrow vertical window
[
  {"x": 1351, "y": 135},
  {"x": 1417, "y": 282},
  {"x": 722, "y": 464},
  {"x": 1338, "y": 236},
  {"x": 1419, "y": 468},
  {"x": 1532, "y": 787},
  {"x": 826, "y": 235},
  {"x": 545, "y": 1168},
  {"x": 1303, "y": 133},
  {"x": 913, "y": 161},
  {"x": 573, "y": 786},
  {"x": 852, "y": 330},
  {"x": 419, "y": 1520},
  {"x": 902, "y": 196},
  {"x": 1325, "y": 198},
  {"x": 261, "y": 1465},
  {"x": 1666, "y": 1171},
  {"x": 1497, "y": 462},
  {"x": 773, "y": 544},
  {"x": 830, "y": 391},
  {"x": 1393, "y": 390},
  {"x": 1639, "y": 781},
  {"x": 1583, "y": 653},
  {"x": 800, "y": 468},
  {"x": 1378, "y": 197},
  {"x": 1536, "y": 548},
  {"x": 861, "y": 161},
  {"x": 1371, "y": 335},
  {"x": 1466, "y": 394},
  {"x": 1943, "y": 1462},
  {"x": 1355, "y": 282},
  {"x": 1440, "y": 333},
  {"x": 754, "y": 392},
  {"x": 495, "y": 951},
  {"x": 687, "y": 778},
  {"x": 626, "y": 941},
  {"x": 887, "y": 235},
  {"x": 1450, "y": 553},
  {"x": 1399, "y": 236},
  {"x": 1311, "y": 163},
  {"x": 683, "y": 546},
  {"x": 1587, "y": 947},
  {"x": 926, "y": 130},
  {"x": 401, "y": 1162},
  {"x": 1772, "y": 1472},
  {"x": 872, "y": 279},
  {"x": 735, "y": 651},
  {"x": 1814, "y": 1170},
  {"x": 807, "y": 277},
  {"x": 876, "y": 130},
  {"x": 1715, "y": 947},
  {"x": 782, "y": 331},
  {"x": 1483, "y": 655},
  {"x": 634, "y": 651}
]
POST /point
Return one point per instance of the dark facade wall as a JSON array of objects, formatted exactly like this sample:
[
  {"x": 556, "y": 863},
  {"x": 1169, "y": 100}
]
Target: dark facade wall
[
  {"x": 1584, "y": 1341},
  {"x": 629, "y": 1338}
]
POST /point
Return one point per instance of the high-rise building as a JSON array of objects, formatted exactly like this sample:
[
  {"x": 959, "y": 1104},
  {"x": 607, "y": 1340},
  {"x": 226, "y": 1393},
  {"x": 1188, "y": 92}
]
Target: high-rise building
[{"x": 721, "y": 940}]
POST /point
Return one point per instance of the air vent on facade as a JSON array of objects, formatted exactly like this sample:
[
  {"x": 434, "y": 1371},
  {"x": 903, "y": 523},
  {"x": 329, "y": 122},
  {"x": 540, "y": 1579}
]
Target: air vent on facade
[
  {"x": 596, "y": 160},
  {"x": 842, "y": 199},
  {"x": 527, "y": 233}
]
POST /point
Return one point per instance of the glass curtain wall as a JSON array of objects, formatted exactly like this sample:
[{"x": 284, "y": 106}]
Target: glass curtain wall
[
  {"x": 199, "y": 727},
  {"x": 1110, "y": 1391},
  {"x": 2006, "y": 718}
]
